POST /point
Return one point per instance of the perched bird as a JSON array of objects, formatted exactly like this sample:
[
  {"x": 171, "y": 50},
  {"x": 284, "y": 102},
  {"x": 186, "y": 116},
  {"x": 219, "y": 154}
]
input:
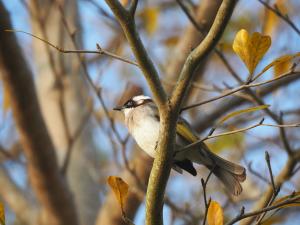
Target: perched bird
[{"x": 142, "y": 121}]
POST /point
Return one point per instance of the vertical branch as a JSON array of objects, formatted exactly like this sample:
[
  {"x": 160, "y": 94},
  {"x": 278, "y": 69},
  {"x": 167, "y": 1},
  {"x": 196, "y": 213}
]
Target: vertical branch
[
  {"x": 126, "y": 20},
  {"x": 168, "y": 112}
]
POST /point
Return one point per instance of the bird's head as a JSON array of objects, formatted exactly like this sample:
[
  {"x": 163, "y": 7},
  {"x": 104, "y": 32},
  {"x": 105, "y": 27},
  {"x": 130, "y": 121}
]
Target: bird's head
[{"x": 133, "y": 103}]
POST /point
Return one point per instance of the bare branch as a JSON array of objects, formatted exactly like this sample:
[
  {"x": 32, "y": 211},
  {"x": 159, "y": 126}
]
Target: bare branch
[
  {"x": 267, "y": 157},
  {"x": 191, "y": 18},
  {"x": 204, "y": 185},
  {"x": 266, "y": 209},
  {"x": 240, "y": 88},
  {"x": 133, "y": 7},
  {"x": 204, "y": 15},
  {"x": 284, "y": 137},
  {"x": 234, "y": 102},
  {"x": 128, "y": 25},
  {"x": 267, "y": 196},
  {"x": 66, "y": 51},
  {"x": 198, "y": 54},
  {"x": 285, "y": 18},
  {"x": 210, "y": 136}
]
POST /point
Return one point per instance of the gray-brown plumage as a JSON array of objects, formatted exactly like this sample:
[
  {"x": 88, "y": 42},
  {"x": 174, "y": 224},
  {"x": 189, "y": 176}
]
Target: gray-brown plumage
[{"x": 142, "y": 121}]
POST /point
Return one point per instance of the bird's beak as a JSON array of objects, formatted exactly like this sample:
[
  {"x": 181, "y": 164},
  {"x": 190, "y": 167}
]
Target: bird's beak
[{"x": 118, "y": 108}]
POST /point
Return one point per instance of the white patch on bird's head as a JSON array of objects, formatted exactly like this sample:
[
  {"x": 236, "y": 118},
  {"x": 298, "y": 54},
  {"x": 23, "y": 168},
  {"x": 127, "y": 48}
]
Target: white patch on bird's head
[
  {"x": 134, "y": 102},
  {"x": 139, "y": 99}
]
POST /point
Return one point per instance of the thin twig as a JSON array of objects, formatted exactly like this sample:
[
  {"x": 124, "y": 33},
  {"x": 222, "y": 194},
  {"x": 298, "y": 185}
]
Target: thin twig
[
  {"x": 283, "y": 137},
  {"x": 267, "y": 157},
  {"x": 276, "y": 189},
  {"x": 204, "y": 185},
  {"x": 266, "y": 209},
  {"x": 187, "y": 147},
  {"x": 62, "y": 50},
  {"x": 133, "y": 7},
  {"x": 242, "y": 87},
  {"x": 284, "y": 17},
  {"x": 206, "y": 212},
  {"x": 191, "y": 18}
]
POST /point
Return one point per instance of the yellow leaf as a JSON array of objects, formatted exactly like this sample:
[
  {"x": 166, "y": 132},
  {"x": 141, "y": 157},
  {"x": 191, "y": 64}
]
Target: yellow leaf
[
  {"x": 150, "y": 18},
  {"x": 2, "y": 214},
  {"x": 215, "y": 214},
  {"x": 281, "y": 68},
  {"x": 279, "y": 60},
  {"x": 296, "y": 204},
  {"x": 251, "y": 49},
  {"x": 271, "y": 19},
  {"x": 236, "y": 113},
  {"x": 120, "y": 189}
]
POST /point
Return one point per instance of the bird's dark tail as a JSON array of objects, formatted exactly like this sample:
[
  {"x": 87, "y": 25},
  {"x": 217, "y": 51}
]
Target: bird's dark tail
[{"x": 229, "y": 173}]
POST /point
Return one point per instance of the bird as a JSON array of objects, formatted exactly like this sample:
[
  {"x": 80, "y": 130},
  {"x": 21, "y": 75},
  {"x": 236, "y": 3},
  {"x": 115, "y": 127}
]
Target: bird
[{"x": 142, "y": 121}]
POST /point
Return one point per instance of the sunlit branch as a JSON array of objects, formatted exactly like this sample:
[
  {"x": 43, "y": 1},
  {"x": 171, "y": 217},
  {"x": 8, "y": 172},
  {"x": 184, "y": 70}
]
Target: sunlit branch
[
  {"x": 201, "y": 51},
  {"x": 240, "y": 88},
  {"x": 266, "y": 209},
  {"x": 210, "y": 136}
]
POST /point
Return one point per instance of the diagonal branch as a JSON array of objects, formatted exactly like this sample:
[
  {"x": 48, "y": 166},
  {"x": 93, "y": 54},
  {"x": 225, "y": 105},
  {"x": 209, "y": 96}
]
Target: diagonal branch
[
  {"x": 203, "y": 49},
  {"x": 266, "y": 209},
  {"x": 285, "y": 18},
  {"x": 127, "y": 23},
  {"x": 207, "y": 121},
  {"x": 239, "y": 88}
]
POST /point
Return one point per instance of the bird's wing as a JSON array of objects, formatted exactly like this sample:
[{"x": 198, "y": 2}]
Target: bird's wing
[{"x": 185, "y": 131}]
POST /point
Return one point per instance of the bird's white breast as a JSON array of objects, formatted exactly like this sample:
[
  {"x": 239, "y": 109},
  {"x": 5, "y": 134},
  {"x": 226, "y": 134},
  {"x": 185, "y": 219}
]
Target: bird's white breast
[{"x": 144, "y": 127}]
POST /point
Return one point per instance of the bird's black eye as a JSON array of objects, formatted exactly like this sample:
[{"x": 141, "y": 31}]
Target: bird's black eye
[{"x": 129, "y": 104}]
